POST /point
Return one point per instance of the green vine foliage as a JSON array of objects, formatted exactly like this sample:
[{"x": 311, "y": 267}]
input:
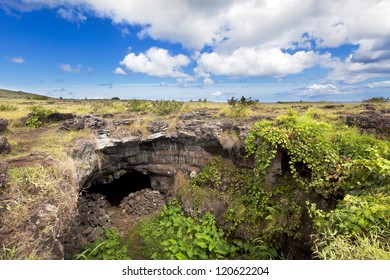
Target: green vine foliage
[
  {"x": 334, "y": 161},
  {"x": 272, "y": 214},
  {"x": 328, "y": 160}
]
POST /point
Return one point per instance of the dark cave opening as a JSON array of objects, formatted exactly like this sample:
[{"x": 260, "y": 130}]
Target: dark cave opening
[
  {"x": 302, "y": 169},
  {"x": 118, "y": 189}
]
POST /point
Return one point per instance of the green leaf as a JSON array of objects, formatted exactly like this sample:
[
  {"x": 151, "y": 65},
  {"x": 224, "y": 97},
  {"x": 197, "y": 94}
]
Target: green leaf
[
  {"x": 203, "y": 236},
  {"x": 180, "y": 256},
  {"x": 201, "y": 244},
  {"x": 179, "y": 234}
]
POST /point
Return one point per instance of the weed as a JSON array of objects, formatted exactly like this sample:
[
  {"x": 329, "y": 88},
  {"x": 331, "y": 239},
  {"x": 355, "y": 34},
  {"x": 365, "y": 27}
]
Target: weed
[{"x": 113, "y": 247}]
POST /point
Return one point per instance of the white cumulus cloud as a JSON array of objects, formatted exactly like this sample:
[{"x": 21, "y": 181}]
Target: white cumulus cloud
[
  {"x": 120, "y": 71},
  {"x": 158, "y": 62},
  {"x": 216, "y": 93},
  {"x": 258, "y": 61}
]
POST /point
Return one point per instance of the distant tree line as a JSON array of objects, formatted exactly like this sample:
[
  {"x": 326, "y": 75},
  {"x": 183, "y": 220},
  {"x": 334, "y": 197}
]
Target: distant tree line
[{"x": 243, "y": 101}]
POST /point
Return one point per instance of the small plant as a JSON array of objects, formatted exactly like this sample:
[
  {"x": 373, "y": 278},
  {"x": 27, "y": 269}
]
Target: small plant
[
  {"x": 7, "y": 253},
  {"x": 7, "y": 107},
  {"x": 165, "y": 107},
  {"x": 34, "y": 122},
  {"x": 40, "y": 116},
  {"x": 137, "y": 105},
  {"x": 111, "y": 248}
]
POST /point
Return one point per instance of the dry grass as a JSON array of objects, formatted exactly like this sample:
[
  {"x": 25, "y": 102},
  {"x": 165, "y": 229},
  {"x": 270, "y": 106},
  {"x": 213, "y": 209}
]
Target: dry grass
[{"x": 31, "y": 190}]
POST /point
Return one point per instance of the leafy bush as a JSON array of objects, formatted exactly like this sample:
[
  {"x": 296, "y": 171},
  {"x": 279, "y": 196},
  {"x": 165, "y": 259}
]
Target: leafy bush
[
  {"x": 359, "y": 228},
  {"x": 34, "y": 122},
  {"x": 172, "y": 235},
  {"x": 136, "y": 105},
  {"x": 39, "y": 117},
  {"x": 111, "y": 248},
  {"x": 7, "y": 107},
  {"x": 165, "y": 107}
]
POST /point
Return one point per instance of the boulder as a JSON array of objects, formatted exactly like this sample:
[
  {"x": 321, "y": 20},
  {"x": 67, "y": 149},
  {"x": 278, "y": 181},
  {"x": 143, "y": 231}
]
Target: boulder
[
  {"x": 56, "y": 117},
  {"x": 5, "y": 148},
  {"x": 157, "y": 126},
  {"x": 3, "y": 124}
]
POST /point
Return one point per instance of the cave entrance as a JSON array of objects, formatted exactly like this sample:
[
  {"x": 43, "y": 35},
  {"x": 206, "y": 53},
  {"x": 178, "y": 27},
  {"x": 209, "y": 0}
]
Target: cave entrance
[
  {"x": 303, "y": 170},
  {"x": 118, "y": 189}
]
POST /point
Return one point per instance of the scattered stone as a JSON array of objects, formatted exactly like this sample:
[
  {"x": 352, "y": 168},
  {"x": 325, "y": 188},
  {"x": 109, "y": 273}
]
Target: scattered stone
[
  {"x": 5, "y": 148},
  {"x": 157, "y": 126},
  {"x": 81, "y": 122},
  {"x": 3, "y": 124}
]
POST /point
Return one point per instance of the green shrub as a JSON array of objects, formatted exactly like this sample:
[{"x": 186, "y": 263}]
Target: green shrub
[
  {"x": 7, "y": 107},
  {"x": 34, "y": 122},
  {"x": 137, "y": 105},
  {"x": 40, "y": 116},
  {"x": 165, "y": 107},
  {"x": 111, "y": 248},
  {"x": 172, "y": 235}
]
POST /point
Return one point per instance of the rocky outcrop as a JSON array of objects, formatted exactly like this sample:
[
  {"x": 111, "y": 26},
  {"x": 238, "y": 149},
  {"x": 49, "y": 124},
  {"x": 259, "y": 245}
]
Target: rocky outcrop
[
  {"x": 194, "y": 141},
  {"x": 371, "y": 121},
  {"x": 81, "y": 122},
  {"x": 185, "y": 148},
  {"x": 5, "y": 148},
  {"x": 56, "y": 117},
  {"x": 3, "y": 124}
]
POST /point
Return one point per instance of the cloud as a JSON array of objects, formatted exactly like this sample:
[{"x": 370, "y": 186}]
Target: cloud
[
  {"x": 296, "y": 32},
  {"x": 316, "y": 91},
  {"x": 67, "y": 68},
  {"x": 258, "y": 61},
  {"x": 17, "y": 60},
  {"x": 72, "y": 15},
  {"x": 125, "y": 32},
  {"x": 216, "y": 93},
  {"x": 381, "y": 84},
  {"x": 208, "y": 81},
  {"x": 120, "y": 71},
  {"x": 158, "y": 62}
]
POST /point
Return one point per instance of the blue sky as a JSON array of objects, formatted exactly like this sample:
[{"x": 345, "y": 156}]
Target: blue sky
[{"x": 270, "y": 50}]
